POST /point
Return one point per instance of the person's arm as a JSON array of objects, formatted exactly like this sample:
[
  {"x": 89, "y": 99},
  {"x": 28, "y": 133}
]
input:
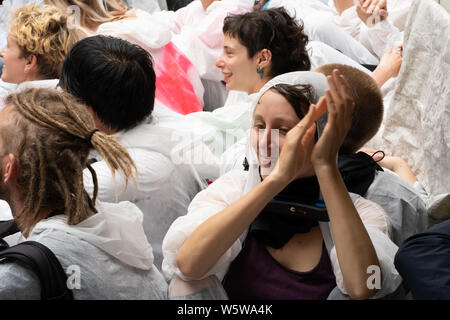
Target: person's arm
[
  {"x": 389, "y": 66},
  {"x": 203, "y": 248},
  {"x": 395, "y": 164},
  {"x": 354, "y": 248},
  {"x": 208, "y": 242}
]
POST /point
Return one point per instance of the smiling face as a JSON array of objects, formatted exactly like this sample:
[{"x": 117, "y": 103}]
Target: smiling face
[
  {"x": 238, "y": 68},
  {"x": 273, "y": 118},
  {"x": 13, "y": 63}
]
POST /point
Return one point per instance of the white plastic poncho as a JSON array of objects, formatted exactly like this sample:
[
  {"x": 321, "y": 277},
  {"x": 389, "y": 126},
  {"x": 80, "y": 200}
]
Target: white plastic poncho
[
  {"x": 107, "y": 255},
  {"x": 320, "y": 23},
  {"x": 13, "y": 88},
  {"x": 235, "y": 184},
  {"x": 164, "y": 186}
]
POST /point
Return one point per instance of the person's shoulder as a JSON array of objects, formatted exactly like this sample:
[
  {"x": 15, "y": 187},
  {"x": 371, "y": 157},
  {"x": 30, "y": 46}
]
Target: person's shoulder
[
  {"x": 365, "y": 205},
  {"x": 389, "y": 184},
  {"x": 229, "y": 186},
  {"x": 234, "y": 177}
]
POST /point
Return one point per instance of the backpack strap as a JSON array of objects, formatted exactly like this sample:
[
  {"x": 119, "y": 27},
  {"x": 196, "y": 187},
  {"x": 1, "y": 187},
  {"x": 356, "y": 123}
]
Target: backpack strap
[{"x": 42, "y": 261}]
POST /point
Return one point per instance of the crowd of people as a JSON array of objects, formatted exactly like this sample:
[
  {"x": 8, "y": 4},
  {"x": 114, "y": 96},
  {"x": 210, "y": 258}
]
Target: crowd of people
[{"x": 214, "y": 149}]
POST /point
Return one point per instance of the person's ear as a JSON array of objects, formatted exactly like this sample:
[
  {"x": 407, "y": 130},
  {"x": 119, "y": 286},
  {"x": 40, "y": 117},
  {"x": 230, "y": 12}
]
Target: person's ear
[
  {"x": 31, "y": 66},
  {"x": 10, "y": 165},
  {"x": 265, "y": 58}
]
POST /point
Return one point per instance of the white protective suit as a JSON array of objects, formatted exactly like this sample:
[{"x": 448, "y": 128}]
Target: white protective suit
[
  {"x": 235, "y": 184},
  {"x": 163, "y": 189},
  {"x": 109, "y": 251},
  {"x": 9, "y": 88}
]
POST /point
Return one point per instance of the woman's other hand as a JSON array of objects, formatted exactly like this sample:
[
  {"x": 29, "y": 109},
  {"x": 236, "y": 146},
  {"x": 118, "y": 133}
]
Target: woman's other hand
[
  {"x": 340, "y": 105},
  {"x": 298, "y": 143}
]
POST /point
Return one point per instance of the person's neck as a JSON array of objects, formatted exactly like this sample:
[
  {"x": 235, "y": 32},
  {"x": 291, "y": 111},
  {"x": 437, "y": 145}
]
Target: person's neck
[
  {"x": 32, "y": 77},
  {"x": 17, "y": 206},
  {"x": 100, "y": 125},
  {"x": 258, "y": 85},
  {"x": 106, "y": 129}
]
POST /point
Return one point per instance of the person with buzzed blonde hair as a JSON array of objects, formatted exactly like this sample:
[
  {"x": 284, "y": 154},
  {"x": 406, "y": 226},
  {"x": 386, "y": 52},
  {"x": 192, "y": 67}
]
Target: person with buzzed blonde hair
[{"x": 45, "y": 140}]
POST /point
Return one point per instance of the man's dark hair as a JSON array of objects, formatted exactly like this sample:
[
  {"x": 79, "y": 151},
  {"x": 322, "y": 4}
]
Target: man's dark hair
[
  {"x": 275, "y": 30},
  {"x": 114, "y": 77}
]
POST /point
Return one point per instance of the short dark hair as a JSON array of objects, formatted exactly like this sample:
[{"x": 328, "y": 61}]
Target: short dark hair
[
  {"x": 275, "y": 30},
  {"x": 368, "y": 112},
  {"x": 113, "y": 76}
]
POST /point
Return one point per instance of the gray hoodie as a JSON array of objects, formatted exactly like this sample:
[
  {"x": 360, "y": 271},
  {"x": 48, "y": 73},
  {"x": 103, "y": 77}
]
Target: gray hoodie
[{"x": 107, "y": 256}]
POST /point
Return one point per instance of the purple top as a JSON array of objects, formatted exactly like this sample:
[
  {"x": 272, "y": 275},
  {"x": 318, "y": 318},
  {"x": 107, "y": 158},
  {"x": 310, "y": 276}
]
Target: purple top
[{"x": 255, "y": 274}]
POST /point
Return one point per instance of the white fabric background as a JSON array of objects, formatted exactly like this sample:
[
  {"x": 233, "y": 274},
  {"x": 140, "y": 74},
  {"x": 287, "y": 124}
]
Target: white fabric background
[{"x": 416, "y": 126}]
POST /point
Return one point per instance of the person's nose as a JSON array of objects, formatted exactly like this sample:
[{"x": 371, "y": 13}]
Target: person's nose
[
  {"x": 219, "y": 62},
  {"x": 265, "y": 142}
]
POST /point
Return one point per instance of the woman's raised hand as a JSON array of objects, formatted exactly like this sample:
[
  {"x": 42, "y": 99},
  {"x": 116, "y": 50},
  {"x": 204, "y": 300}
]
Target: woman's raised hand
[
  {"x": 297, "y": 143},
  {"x": 340, "y": 106}
]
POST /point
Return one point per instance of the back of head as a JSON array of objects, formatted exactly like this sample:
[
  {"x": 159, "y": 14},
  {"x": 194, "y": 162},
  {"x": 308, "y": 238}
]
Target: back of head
[
  {"x": 43, "y": 32},
  {"x": 275, "y": 30},
  {"x": 368, "y": 112},
  {"x": 52, "y": 134},
  {"x": 114, "y": 77},
  {"x": 93, "y": 11}
]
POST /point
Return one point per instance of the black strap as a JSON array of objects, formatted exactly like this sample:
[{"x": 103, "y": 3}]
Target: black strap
[
  {"x": 370, "y": 67},
  {"x": 8, "y": 227},
  {"x": 46, "y": 266}
]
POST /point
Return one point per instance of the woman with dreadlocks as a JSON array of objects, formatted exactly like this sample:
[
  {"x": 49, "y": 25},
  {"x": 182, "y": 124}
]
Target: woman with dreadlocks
[{"x": 45, "y": 139}]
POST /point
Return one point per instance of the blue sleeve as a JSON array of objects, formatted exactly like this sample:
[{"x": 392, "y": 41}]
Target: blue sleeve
[{"x": 424, "y": 263}]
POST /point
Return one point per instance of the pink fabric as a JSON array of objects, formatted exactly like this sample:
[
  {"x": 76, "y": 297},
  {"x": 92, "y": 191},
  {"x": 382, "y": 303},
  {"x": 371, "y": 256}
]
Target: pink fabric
[{"x": 173, "y": 86}]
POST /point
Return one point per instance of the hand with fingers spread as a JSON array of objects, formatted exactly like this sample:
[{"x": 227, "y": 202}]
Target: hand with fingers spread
[
  {"x": 298, "y": 142},
  {"x": 340, "y": 105},
  {"x": 371, "y": 11}
]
